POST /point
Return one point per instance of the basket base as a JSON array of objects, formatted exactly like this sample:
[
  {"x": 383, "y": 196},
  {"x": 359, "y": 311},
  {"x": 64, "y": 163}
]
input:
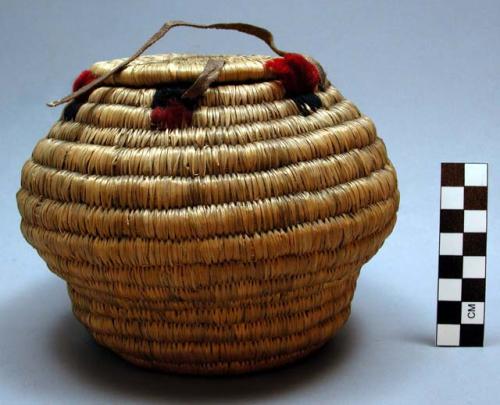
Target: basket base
[
  {"x": 230, "y": 367},
  {"x": 285, "y": 329}
]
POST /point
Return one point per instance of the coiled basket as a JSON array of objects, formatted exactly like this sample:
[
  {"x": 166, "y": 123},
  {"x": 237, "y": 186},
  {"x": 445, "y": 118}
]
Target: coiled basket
[{"x": 210, "y": 214}]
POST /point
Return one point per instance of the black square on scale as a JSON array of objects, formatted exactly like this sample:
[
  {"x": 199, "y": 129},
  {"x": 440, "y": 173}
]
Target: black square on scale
[
  {"x": 449, "y": 312},
  {"x": 471, "y": 335},
  {"x": 452, "y": 174},
  {"x": 451, "y": 221},
  {"x": 474, "y": 244},
  {"x": 450, "y": 266},
  {"x": 473, "y": 289},
  {"x": 475, "y": 198}
]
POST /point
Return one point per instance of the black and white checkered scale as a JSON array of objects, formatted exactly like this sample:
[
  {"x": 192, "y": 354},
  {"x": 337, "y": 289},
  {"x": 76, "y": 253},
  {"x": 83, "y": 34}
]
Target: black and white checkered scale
[{"x": 462, "y": 254}]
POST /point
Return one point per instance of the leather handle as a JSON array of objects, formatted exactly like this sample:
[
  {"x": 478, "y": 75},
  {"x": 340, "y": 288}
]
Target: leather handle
[{"x": 249, "y": 29}]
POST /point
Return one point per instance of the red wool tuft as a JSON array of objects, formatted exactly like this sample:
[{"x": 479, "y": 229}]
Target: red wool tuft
[
  {"x": 83, "y": 79},
  {"x": 298, "y": 75},
  {"x": 174, "y": 115},
  {"x": 159, "y": 117}
]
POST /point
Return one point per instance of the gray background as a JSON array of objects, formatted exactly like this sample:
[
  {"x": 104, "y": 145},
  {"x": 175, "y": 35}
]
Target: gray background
[{"x": 427, "y": 72}]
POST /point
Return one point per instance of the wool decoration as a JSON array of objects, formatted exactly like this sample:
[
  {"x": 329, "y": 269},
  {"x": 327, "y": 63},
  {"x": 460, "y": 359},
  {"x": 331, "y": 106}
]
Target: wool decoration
[
  {"x": 84, "y": 78},
  {"x": 174, "y": 115},
  {"x": 164, "y": 95},
  {"x": 298, "y": 75},
  {"x": 307, "y": 103},
  {"x": 70, "y": 111},
  {"x": 169, "y": 109}
]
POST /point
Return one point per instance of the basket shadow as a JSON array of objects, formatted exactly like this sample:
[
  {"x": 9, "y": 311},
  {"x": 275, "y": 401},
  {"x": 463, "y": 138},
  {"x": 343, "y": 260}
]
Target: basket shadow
[
  {"x": 419, "y": 338},
  {"x": 39, "y": 328},
  {"x": 98, "y": 366}
]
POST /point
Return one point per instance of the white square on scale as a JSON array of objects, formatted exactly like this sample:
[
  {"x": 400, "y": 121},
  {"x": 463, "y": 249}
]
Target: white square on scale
[
  {"x": 476, "y": 174},
  {"x": 472, "y": 313},
  {"x": 448, "y": 335},
  {"x": 474, "y": 267},
  {"x": 474, "y": 221},
  {"x": 451, "y": 244},
  {"x": 452, "y": 198},
  {"x": 450, "y": 289}
]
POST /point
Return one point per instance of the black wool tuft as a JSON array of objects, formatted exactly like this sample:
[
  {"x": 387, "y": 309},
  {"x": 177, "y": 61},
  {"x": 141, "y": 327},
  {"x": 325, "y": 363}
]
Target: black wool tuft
[
  {"x": 307, "y": 103},
  {"x": 70, "y": 111},
  {"x": 166, "y": 94}
]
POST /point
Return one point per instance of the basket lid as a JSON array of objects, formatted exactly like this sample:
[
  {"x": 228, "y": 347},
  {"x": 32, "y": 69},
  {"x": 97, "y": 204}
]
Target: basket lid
[{"x": 151, "y": 70}]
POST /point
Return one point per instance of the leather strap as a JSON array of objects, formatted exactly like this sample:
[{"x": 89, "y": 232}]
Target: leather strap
[{"x": 210, "y": 69}]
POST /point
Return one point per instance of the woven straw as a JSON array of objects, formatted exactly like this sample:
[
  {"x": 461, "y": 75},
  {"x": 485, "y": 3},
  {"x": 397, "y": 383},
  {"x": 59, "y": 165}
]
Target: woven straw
[{"x": 228, "y": 246}]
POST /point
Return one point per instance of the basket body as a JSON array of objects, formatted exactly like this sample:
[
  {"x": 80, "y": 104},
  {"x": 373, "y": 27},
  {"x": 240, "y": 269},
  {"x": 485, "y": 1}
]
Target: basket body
[{"x": 228, "y": 246}]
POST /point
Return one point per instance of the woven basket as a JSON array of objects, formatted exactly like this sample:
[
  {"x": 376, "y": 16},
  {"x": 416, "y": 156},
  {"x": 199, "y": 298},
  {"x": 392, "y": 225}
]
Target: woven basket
[{"x": 227, "y": 241}]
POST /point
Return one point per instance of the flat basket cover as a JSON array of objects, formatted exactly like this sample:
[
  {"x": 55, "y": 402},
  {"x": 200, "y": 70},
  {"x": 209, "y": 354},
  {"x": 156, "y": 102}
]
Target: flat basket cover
[{"x": 210, "y": 214}]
